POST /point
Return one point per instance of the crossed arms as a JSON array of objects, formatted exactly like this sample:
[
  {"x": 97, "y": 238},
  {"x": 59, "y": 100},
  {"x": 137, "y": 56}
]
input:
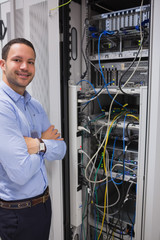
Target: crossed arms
[{"x": 51, "y": 133}]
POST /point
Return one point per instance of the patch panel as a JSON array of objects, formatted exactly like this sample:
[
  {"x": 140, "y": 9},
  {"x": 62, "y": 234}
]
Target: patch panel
[
  {"x": 113, "y": 72},
  {"x": 128, "y": 18}
]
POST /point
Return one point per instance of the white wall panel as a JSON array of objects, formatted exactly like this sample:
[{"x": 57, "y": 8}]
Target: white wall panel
[
  {"x": 55, "y": 168},
  {"x": 32, "y": 21},
  {"x": 152, "y": 206}
]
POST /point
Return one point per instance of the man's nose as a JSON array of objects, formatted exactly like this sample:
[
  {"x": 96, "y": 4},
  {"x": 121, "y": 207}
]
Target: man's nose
[{"x": 24, "y": 65}]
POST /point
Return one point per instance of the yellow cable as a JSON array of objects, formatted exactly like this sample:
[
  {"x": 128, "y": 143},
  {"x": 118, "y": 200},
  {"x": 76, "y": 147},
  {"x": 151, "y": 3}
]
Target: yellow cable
[
  {"x": 105, "y": 195},
  {"x": 105, "y": 199},
  {"x": 130, "y": 115},
  {"x": 125, "y": 105},
  {"x": 61, "y": 5},
  {"x": 114, "y": 119}
]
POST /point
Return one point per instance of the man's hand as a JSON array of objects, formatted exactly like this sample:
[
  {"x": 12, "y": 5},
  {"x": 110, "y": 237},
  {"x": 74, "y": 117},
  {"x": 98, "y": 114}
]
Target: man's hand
[
  {"x": 32, "y": 145},
  {"x": 51, "y": 133}
]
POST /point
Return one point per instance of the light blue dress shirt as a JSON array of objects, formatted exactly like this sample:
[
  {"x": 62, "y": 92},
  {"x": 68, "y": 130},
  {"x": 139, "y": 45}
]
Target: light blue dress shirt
[{"x": 23, "y": 175}]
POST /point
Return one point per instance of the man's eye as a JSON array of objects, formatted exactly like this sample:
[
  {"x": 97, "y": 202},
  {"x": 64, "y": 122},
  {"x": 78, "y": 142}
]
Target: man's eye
[
  {"x": 16, "y": 60},
  {"x": 31, "y": 63}
]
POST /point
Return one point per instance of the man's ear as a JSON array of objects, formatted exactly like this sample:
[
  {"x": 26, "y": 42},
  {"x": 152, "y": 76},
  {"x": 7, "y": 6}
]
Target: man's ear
[{"x": 2, "y": 64}]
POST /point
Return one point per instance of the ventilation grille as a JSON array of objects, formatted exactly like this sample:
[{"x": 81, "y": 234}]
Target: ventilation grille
[
  {"x": 8, "y": 26},
  {"x": 19, "y": 23},
  {"x": 39, "y": 38}
]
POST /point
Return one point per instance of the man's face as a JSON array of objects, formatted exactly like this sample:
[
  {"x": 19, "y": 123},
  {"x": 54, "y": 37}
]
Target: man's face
[{"x": 19, "y": 68}]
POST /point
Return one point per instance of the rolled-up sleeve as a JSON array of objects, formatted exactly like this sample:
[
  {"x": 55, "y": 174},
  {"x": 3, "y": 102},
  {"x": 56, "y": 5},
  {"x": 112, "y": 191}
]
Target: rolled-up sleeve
[{"x": 55, "y": 149}]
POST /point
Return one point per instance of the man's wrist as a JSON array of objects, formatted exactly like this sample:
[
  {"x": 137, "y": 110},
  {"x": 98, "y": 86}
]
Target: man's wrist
[{"x": 41, "y": 145}]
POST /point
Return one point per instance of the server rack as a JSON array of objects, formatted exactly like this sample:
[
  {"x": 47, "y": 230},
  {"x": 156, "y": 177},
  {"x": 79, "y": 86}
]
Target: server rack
[{"x": 107, "y": 122}]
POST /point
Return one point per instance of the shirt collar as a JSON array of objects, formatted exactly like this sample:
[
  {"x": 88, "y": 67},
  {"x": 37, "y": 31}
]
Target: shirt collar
[{"x": 14, "y": 95}]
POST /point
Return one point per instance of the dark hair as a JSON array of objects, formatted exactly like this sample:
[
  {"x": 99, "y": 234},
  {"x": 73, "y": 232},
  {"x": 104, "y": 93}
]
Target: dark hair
[{"x": 7, "y": 47}]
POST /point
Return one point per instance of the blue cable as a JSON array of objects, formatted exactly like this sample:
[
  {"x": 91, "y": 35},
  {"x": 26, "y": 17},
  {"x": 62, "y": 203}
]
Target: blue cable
[
  {"x": 124, "y": 139},
  {"x": 109, "y": 33},
  {"x": 100, "y": 115},
  {"x": 93, "y": 89},
  {"x": 112, "y": 163},
  {"x": 137, "y": 27},
  {"x": 99, "y": 57}
]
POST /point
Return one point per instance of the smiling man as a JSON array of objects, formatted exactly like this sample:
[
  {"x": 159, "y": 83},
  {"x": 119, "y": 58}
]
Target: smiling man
[
  {"x": 18, "y": 67},
  {"x": 26, "y": 139}
]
